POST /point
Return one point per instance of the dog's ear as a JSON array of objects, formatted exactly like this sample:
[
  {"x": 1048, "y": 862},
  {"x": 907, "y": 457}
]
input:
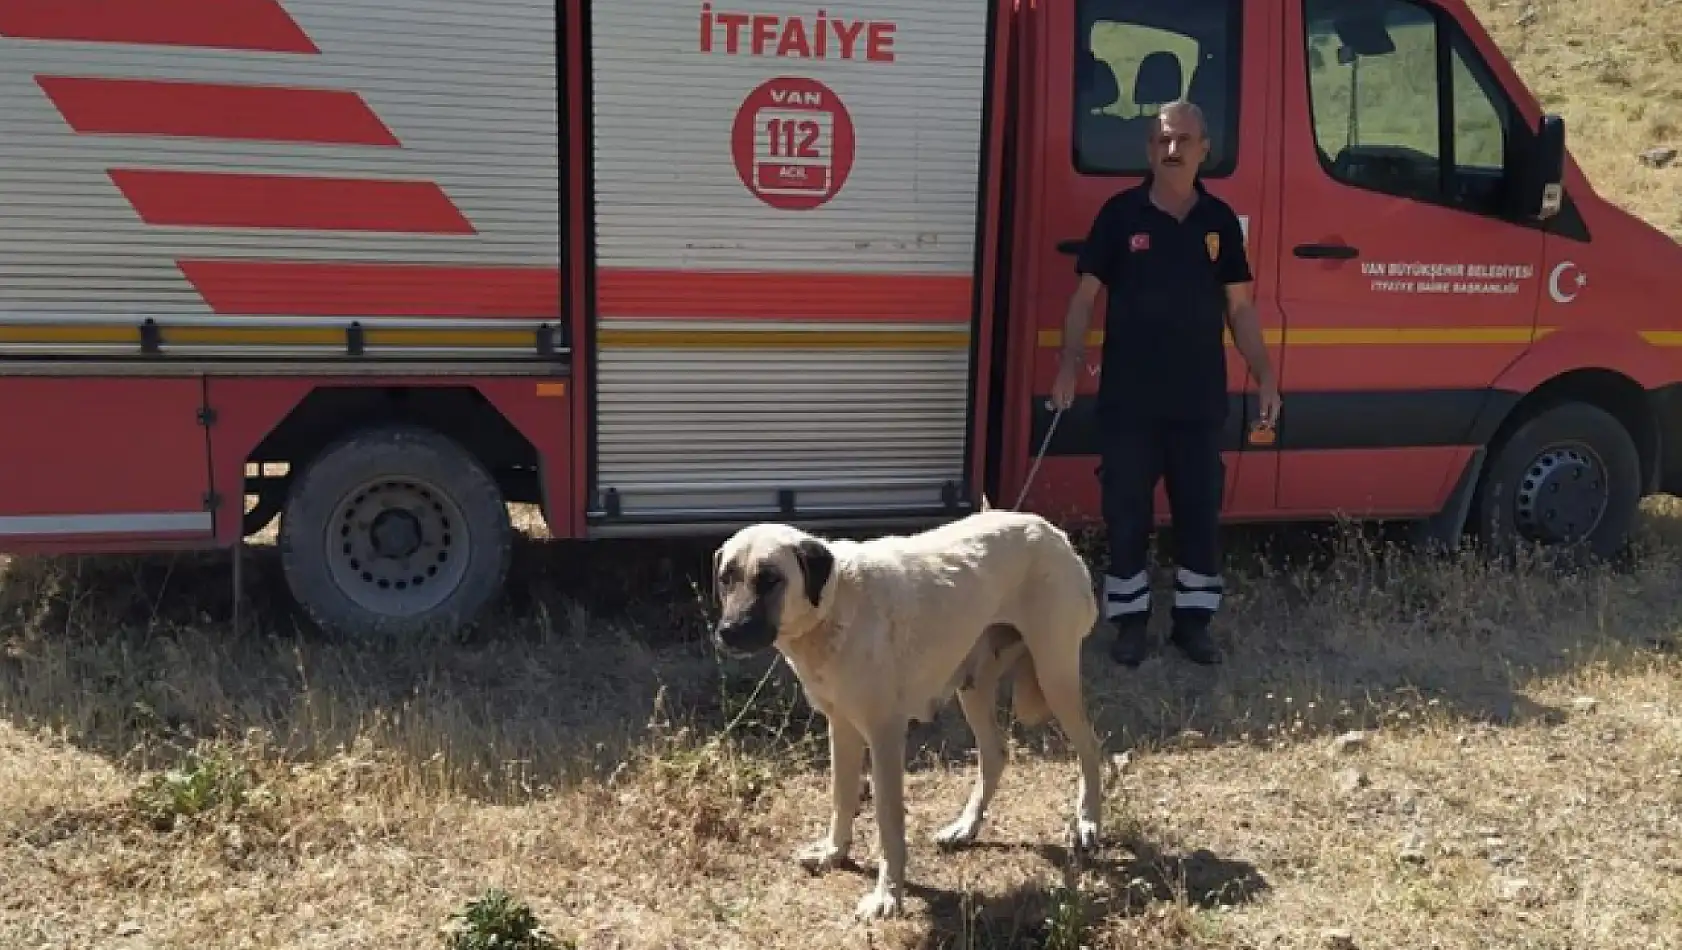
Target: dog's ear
[
  {"x": 816, "y": 564},
  {"x": 718, "y": 565}
]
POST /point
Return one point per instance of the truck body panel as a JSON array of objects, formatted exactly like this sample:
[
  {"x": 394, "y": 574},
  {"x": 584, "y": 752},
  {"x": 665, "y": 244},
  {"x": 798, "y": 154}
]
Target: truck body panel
[
  {"x": 102, "y": 460},
  {"x": 254, "y": 187}
]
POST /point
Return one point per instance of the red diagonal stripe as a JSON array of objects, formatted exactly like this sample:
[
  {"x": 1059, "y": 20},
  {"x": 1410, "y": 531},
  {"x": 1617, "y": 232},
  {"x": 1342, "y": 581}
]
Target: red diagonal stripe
[
  {"x": 375, "y": 290},
  {"x": 215, "y": 110},
  {"x": 260, "y": 25},
  {"x": 228, "y": 200}
]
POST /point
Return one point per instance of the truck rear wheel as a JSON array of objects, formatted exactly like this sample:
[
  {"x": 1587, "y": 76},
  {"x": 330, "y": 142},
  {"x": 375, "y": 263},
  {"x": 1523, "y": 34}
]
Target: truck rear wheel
[
  {"x": 1570, "y": 477},
  {"x": 394, "y": 531}
]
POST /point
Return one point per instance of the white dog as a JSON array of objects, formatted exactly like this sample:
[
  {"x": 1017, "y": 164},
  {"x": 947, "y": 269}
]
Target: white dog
[{"x": 883, "y": 632}]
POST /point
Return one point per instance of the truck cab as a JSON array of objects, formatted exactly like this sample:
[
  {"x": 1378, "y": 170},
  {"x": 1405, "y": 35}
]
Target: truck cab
[{"x": 1465, "y": 333}]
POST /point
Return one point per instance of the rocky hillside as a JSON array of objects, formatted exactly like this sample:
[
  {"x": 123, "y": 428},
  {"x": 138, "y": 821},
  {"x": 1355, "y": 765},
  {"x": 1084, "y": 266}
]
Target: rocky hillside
[{"x": 1613, "y": 69}]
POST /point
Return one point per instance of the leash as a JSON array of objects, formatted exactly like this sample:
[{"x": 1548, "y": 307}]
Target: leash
[{"x": 1045, "y": 443}]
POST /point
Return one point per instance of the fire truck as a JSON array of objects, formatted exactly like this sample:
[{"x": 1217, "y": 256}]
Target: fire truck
[{"x": 379, "y": 268}]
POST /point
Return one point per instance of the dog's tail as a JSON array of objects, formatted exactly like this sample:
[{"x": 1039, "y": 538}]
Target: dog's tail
[{"x": 1027, "y": 699}]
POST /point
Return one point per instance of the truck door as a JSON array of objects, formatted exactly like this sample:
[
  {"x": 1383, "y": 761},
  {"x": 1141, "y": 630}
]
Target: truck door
[
  {"x": 1086, "y": 122},
  {"x": 1405, "y": 290},
  {"x": 109, "y": 463}
]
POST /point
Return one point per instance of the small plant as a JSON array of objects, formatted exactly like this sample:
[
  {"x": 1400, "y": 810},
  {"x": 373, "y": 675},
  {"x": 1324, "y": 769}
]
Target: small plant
[
  {"x": 203, "y": 783},
  {"x": 497, "y": 921},
  {"x": 1065, "y": 919}
]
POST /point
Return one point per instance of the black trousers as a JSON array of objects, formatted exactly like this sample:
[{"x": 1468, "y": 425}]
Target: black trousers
[{"x": 1187, "y": 456}]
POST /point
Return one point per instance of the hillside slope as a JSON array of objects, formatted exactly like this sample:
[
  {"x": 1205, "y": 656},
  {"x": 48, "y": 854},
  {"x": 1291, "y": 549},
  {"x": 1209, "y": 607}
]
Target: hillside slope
[{"x": 1613, "y": 69}]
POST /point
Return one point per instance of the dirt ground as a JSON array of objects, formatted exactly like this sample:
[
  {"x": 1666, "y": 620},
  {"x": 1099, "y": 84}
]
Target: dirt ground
[{"x": 1402, "y": 751}]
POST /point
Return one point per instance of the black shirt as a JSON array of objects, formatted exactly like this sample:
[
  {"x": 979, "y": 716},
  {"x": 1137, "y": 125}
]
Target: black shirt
[{"x": 1164, "y": 354}]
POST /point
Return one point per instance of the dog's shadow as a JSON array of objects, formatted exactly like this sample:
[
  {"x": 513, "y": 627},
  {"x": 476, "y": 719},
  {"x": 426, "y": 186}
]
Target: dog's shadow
[{"x": 1124, "y": 878}]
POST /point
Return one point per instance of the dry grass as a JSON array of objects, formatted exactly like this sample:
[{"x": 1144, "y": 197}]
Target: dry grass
[
  {"x": 1518, "y": 783},
  {"x": 593, "y": 758}
]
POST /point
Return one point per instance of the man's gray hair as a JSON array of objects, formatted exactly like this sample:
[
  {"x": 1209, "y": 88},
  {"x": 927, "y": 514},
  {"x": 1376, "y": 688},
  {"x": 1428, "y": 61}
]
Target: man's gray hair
[{"x": 1187, "y": 107}]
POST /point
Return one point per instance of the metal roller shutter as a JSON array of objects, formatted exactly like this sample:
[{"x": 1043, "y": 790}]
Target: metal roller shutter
[{"x": 785, "y": 246}]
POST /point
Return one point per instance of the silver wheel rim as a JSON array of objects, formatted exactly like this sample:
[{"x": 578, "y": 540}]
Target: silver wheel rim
[
  {"x": 397, "y": 545},
  {"x": 1563, "y": 496}
]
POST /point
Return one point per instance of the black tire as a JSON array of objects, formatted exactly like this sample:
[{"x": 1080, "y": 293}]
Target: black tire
[
  {"x": 394, "y": 531},
  {"x": 1568, "y": 478}
]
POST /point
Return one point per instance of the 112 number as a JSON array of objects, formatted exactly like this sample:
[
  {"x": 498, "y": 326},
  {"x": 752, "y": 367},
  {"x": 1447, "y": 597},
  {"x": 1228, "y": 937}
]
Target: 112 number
[{"x": 783, "y": 132}]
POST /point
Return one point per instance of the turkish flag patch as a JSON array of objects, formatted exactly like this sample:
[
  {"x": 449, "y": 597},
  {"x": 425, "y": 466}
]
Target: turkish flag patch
[{"x": 1139, "y": 242}]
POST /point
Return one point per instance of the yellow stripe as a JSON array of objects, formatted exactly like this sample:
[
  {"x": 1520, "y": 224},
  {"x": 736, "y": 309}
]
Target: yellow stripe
[
  {"x": 1392, "y": 336},
  {"x": 1372, "y": 336},
  {"x": 785, "y": 339},
  {"x": 1663, "y": 337},
  {"x": 69, "y": 333},
  {"x": 202, "y": 336},
  {"x": 447, "y": 337},
  {"x": 260, "y": 336}
]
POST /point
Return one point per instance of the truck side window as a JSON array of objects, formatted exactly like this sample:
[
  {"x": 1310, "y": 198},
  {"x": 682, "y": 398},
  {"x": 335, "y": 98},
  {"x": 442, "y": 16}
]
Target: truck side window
[
  {"x": 1402, "y": 105},
  {"x": 1131, "y": 56},
  {"x": 1482, "y": 118}
]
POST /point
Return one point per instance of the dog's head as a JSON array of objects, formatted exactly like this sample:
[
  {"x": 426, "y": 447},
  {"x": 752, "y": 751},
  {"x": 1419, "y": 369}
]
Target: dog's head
[{"x": 770, "y": 581}]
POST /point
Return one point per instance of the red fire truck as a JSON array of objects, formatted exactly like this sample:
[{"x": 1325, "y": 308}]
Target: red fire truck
[{"x": 669, "y": 266}]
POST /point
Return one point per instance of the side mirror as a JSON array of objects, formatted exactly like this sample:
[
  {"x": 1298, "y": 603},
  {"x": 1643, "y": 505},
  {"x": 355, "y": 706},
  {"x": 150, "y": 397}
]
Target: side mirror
[
  {"x": 1548, "y": 160},
  {"x": 1365, "y": 34}
]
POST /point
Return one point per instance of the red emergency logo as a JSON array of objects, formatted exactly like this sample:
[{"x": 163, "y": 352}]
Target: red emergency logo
[
  {"x": 1139, "y": 242},
  {"x": 792, "y": 142}
]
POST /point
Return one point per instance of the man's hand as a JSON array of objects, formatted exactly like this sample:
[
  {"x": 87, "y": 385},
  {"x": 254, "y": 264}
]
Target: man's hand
[
  {"x": 1246, "y": 333},
  {"x": 1270, "y": 403},
  {"x": 1073, "y": 356},
  {"x": 1063, "y": 390}
]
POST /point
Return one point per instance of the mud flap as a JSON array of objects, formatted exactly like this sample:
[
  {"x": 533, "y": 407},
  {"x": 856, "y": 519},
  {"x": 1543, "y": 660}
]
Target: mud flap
[{"x": 1441, "y": 532}]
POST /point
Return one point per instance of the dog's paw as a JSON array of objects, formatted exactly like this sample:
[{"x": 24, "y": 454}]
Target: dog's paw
[
  {"x": 880, "y": 904},
  {"x": 820, "y": 856},
  {"x": 1084, "y": 836},
  {"x": 959, "y": 832}
]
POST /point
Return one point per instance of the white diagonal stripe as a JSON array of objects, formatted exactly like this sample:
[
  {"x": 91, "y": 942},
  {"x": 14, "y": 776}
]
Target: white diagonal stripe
[
  {"x": 1193, "y": 579},
  {"x": 1126, "y": 586},
  {"x": 1118, "y": 608},
  {"x": 1197, "y": 600}
]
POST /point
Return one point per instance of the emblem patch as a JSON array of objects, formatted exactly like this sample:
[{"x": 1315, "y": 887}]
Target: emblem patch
[
  {"x": 1212, "y": 241},
  {"x": 1139, "y": 242}
]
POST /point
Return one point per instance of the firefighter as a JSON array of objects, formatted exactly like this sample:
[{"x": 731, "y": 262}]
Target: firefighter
[{"x": 1172, "y": 257}]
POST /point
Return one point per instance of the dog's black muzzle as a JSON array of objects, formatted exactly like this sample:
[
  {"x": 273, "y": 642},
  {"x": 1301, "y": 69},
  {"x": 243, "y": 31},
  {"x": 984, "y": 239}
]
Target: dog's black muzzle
[{"x": 744, "y": 636}]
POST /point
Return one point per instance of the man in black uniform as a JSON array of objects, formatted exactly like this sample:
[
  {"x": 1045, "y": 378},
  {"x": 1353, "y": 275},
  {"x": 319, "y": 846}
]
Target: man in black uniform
[{"x": 1172, "y": 257}]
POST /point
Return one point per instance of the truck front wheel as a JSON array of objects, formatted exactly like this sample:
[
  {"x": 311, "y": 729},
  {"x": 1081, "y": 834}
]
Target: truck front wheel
[
  {"x": 393, "y": 531},
  {"x": 1569, "y": 477}
]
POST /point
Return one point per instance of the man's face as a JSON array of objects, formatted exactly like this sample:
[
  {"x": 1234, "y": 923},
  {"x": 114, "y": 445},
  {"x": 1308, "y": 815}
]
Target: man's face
[{"x": 1177, "y": 147}]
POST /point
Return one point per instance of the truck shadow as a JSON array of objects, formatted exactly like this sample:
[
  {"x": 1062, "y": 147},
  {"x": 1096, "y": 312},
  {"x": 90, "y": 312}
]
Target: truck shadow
[{"x": 599, "y": 652}]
